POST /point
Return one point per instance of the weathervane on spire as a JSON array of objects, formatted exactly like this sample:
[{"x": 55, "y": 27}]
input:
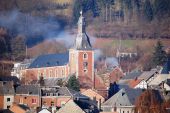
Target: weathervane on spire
[{"x": 81, "y": 12}]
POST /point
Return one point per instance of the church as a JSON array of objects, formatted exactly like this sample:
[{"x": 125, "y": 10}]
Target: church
[{"x": 79, "y": 60}]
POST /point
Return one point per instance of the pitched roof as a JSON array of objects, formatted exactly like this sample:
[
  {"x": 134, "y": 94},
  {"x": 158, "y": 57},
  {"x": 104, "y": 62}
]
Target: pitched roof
[
  {"x": 132, "y": 75},
  {"x": 6, "y": 88},
  {"x": 70, "y": 107},
  {"x": 62, "y": 91},
  {"x": 119, "y": 99},
  {"x": 166, "y": 67},
  {"x": 50, "y": 60},
  {"x": 19, "y": 108},
  {"x": 91, "y": 93},
  {"x": 15, "y": 80},
  {"x": 159, "y": 79},
  {"x": 131, "y": 93},
  {"x": 147, "y": 74},
  {"x": 44, "y": 111},
  {"x": 133, "y": 83},
  {"x": 28, "y": 89}
]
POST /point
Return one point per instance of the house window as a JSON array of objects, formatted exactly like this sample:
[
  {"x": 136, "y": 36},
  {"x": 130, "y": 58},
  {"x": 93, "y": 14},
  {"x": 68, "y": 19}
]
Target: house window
[
  {"x": 8, "y": 107},
  {"x": 85, "y": 64},
  {"x": 33, "y": 101},
  {"x": 50, "y": 73},
  {"x": 21, "y": 100},
  {"x": 85, "y": 56},
  {"x": 52, "y": 103},
  {"x": 44, "y": 72},
  {"x": 85, "y": 70},
  {"x": 8, "y": 99},
  {"x": 62, "y": 72}
]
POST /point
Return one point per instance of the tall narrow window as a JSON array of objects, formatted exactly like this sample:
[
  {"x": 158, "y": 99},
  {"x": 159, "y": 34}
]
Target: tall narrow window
[
  {"x": 85, "y": 56},
  {"x": 50, "y": 73},
  {"x": 85, "y": 65},
  {"x": 56, "y": 73},
  {"x": 8, "y": 99}
]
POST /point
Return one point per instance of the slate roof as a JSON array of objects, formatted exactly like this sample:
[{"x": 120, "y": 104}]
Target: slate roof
[
  {"x": 70, "y": 107},
  {"x": 50, "y": 60},
  {"x": 119, "y": 99},
  {"x": 147, "y": 74},
  {"x": 131, "y": 93},
  {"x": 82, "y": 40},
  {"x": 28, "y": 89},
  {"x": 132, "y": 75},
  {"x": 63, "y": 91},
  {"x": 15, "y": 80},
  {"x": 6, "y": 88},
  {"x": 166, "y": 67}
]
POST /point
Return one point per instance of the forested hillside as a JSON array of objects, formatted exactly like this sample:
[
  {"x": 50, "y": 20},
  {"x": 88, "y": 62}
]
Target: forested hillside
[
  {"x": 128, "y": 18},
  {"x": 30, "y": 22}
]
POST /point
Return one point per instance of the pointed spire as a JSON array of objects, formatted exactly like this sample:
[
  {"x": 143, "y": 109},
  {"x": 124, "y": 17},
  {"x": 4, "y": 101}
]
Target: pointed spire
[
  {"x": 82, "y": 40},
  {"x": 81, "y": 23}
]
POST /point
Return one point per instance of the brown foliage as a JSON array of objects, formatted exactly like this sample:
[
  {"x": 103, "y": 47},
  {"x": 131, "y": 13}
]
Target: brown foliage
[
  {"x": 149, "y": 102},
  {"x": 46, "y": 47}
]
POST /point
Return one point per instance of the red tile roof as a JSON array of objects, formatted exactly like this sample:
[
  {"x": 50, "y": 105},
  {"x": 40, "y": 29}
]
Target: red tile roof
[{"x": 133, "y": 83}]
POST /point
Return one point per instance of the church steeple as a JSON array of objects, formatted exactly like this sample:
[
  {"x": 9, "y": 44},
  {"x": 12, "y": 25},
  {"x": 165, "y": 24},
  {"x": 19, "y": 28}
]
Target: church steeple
[
  {"x": 81, "y": 23},
  {"x": 82, "y": 40}
]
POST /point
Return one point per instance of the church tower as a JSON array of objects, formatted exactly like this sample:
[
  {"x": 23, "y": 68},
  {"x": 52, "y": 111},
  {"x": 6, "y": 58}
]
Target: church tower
[{"x": 82, "y": 55}]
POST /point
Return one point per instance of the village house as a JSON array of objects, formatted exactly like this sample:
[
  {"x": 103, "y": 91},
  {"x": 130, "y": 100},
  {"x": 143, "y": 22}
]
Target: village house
[
  {"x": 130, "y": 76},
  {"x": 121, "y": 102},
  {"x": 162, "y": 83},
  {"x": 118, "y": 103},
  {"x": 28, "y": 95},
  {"x": 70, "y": 107},
  {"x": 146, "y": 77},
  {"x": 93, "y": 95},
  {"x": 35, "y": 96},
  {"x": 6, "y": 94}
]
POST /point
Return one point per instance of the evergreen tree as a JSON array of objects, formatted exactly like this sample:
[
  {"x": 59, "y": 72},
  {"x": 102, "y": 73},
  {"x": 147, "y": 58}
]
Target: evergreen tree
[
  {"x": 159, "y": 55},
  {"x": 148, "y": 10},
  {"x": 85, "y": 5},
  {"x": 161, "y": 7},
  {"x": 114, "y": 88},
  {"x": 73, "y": 83}
]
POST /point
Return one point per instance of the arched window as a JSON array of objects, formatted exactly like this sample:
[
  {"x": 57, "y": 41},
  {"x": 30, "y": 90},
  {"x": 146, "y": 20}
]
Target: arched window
[{"x": 85, "y": 56}]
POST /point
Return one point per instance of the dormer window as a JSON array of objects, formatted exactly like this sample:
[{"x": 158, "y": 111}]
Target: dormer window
[{"x": 85, "y": 56}]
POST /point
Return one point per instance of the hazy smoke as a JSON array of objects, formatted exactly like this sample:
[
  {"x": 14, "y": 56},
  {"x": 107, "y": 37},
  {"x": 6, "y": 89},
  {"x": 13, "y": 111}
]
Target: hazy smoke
[
  {"x": 97, "y": 54},
  {"x": 30, "y": 26},
  {"x": 67, "y": 38},
  {"x": 111, "y": 61}
]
